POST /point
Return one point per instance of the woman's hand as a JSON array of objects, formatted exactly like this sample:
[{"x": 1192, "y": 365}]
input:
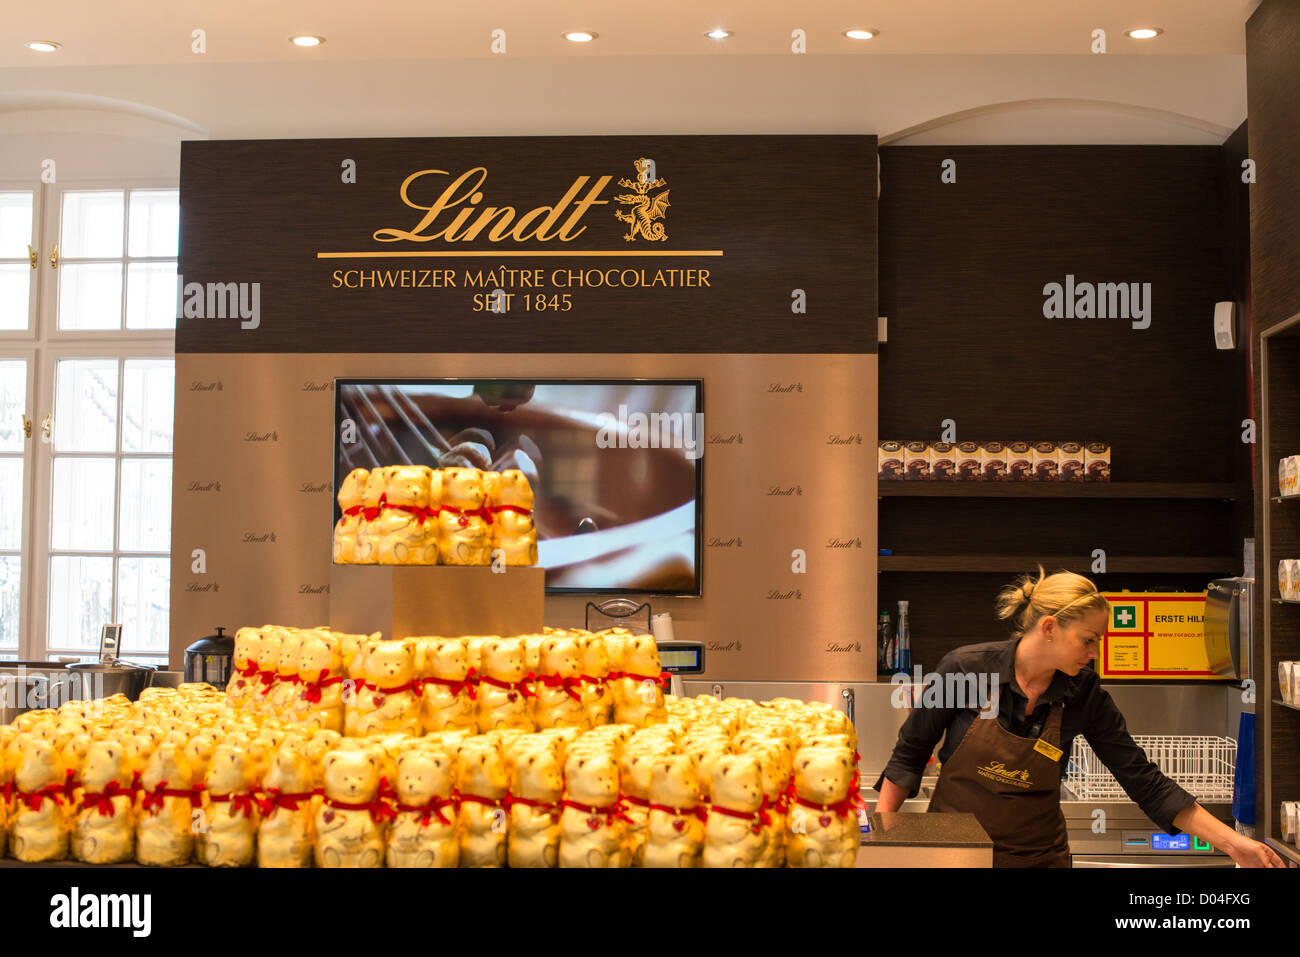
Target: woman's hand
[{"x": 1249, "y": 853}]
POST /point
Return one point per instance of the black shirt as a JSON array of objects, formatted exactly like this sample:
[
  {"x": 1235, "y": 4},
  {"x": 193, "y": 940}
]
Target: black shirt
[{"x": 1088, "y": 710}]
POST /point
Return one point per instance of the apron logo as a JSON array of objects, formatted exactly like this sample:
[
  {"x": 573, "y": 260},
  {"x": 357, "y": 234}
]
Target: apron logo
[{"x": 997, "y": 771}]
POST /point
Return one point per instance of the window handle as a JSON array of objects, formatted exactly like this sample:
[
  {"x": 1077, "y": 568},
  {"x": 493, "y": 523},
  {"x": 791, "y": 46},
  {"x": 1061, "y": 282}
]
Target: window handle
[
  {"x": 27, "y": 426},
  {"x": 47, "y": 426},
  {"x": 54, "y": 256},
  {"x": 31, "y": 255}
]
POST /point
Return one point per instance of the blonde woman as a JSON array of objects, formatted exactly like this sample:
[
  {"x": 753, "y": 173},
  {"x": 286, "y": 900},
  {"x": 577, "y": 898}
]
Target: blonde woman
[{"x": 1004, "y": 766}]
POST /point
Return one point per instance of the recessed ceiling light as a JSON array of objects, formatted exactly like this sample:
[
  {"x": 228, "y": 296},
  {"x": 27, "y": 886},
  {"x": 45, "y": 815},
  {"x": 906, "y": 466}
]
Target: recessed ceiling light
[
  {"x": 718, "y": 34},
  {"x": 580, "y": 36},
  {"x": 1145, "y": 33},
  {"x": 858, "y": 34},
  {"x": 42, "y": 46},
  {"x": 306, "y": 41}
]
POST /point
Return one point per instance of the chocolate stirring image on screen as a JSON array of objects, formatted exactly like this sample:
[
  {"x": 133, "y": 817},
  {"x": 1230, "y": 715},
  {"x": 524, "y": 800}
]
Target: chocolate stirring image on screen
[{"x": 616, "y": 509}]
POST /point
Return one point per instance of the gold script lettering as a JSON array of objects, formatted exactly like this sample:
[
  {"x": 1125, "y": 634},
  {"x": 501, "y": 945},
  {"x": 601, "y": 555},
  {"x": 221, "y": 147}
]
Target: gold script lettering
[{"x": 465, "y": 191}]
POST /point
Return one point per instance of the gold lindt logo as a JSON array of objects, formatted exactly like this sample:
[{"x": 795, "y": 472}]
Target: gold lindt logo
[
  {"x": 460, "y": 201},
  {"x": 645, "y": 208}
]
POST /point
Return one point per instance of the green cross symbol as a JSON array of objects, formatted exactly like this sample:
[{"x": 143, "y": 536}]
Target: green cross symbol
[{"x": 1124, "y": 616}]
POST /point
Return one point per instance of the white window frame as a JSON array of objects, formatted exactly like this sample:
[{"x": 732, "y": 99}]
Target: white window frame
[
  {"x": 28, "y": 335},
  {"x": 25, "y": 353},
  {"x": 43, "y": 345}
]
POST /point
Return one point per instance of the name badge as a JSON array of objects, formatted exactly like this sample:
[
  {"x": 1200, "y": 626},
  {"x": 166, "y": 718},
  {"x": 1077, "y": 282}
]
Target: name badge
[{"x": 1042, "y": 747}]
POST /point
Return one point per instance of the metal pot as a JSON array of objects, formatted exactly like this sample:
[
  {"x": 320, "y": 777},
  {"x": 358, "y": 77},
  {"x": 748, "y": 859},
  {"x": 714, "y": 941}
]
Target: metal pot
[{"x": 94, "y": 679}]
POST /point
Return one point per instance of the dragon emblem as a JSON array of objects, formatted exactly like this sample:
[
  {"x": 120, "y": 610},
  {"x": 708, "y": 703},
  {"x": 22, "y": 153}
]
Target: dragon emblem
[{"x": 646, "y": 207}]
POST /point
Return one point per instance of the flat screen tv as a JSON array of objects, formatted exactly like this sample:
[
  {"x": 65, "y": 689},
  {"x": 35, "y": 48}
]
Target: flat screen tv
[{"x": 615, "y": 464}]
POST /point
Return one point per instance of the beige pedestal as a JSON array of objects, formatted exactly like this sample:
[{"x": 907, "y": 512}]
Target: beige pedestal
[{"x": 405, "y": 600}]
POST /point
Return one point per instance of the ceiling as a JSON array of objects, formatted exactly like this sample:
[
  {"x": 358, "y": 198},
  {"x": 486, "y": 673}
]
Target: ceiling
[
  {"x": 95, "y": 32},
  {"x": 940, "y": 71}
]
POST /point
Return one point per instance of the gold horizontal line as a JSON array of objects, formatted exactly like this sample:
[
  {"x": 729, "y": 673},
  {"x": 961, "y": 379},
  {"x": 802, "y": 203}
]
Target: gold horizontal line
[{"x": 601, "y": 253}]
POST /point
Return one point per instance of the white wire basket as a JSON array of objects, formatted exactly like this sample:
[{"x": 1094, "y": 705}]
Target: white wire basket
[{"x": 1203, "y": 765}]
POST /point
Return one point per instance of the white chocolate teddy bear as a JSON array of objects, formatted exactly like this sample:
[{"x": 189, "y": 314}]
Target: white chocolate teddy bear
[
  {"x": 351, "y": 496},
  {"x": 351, "y": 823},
  {"x": 675, "y": 827},
  {"x": 464, "y": 537},
  {"x": 450, "y": 690},
  {"x": 104, "y": 832},
  {"x": 536, "y": 787},
  {"x": 591, "y": 825},
  {"x": 424, "y": 832},
  {"x": 407, "y": 531},
  {"x": 229, "y": 838}
]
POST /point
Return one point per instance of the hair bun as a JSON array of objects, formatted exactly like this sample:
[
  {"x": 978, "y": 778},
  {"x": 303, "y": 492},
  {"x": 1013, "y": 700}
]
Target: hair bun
[{"x": 1027, "y": 589}]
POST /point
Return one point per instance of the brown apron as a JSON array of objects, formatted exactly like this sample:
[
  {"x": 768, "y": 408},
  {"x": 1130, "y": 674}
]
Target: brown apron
[{"x": 1013, "y": 787}]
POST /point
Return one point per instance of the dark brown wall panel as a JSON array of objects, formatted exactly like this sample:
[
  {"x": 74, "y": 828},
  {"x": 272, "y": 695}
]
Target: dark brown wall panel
[
  {"x": 786, "y": 212},
  {"x": 962, "y": 273}
]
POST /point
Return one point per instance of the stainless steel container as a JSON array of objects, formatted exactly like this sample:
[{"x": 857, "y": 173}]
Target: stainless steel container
[{"x": 94, "y": 679}]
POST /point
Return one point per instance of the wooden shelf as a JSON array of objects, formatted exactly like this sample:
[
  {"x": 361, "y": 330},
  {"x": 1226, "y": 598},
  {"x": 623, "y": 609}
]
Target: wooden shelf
[
  {"x": 1130, "y": 564},
  {"x": 1285, "y": 601},
  {"x": 927, "y": 489}
]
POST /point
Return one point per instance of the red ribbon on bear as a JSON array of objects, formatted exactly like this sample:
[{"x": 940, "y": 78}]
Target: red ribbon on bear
[
  {"x": 428, "y": 809},
  {"x": 275, "y": 798},
  {"x": 522, "y": 686},
  {"x": 557, "y": 681},
  {"x": 759, "y": 817},
  {"x": 843, "y": 808},
  {"x": 153, "y": 800},
  {"x": 518, "y": 509},
  {"x": 312, "y": 690},
  {"x": 248, "y": 671},
  {"x": 457, "y": 686},
  {"x": 55, "y": 792},
  {"x": 698, "y": 810},
  {"x": 379, "y": 808},
  {"x": 610, "y": 811},
  {"x": 510, "y": 801},
  {"x": 483, "y": 512},
  {"x": 102, "y": 801},
  {"x": 238, "y": 801},
  {"x": 662, "y": 679}
]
